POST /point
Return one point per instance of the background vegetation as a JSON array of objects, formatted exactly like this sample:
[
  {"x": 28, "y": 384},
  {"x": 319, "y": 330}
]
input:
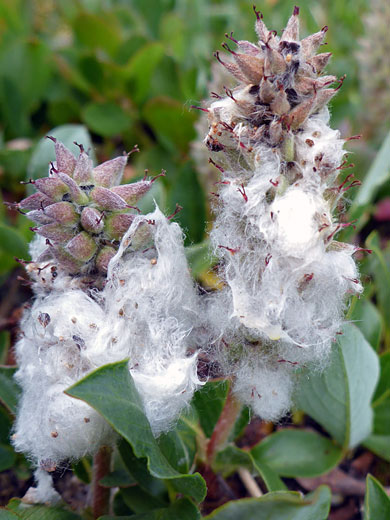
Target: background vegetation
[{"x": 112, "y": 73}]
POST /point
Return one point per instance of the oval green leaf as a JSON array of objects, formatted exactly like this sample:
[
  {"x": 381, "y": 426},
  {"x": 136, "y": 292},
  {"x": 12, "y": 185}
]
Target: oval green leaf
[
  {"x": 376, "y": 502},
  {"x": 281, "y": 505},
  {"x": 297, "y": 453},
  {"x": 339, "y": 398},
  {"x": 111, "y": 391}
]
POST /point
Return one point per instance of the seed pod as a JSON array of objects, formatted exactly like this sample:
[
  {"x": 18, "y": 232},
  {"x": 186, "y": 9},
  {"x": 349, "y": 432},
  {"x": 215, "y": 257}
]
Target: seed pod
[
  {"x": 75, "y": 193},
  {"x": 106, "y": 199},
  {"x": 110, "y": 172},
  {"x": 82, "y": 247},
  {"x": 131, "y": 193},
  {"x": 63, "y": 212},
  {"x": 83, "y": 170},
  {"x": 291, "y": 32},
  {"x": 92, "y": 220},
  {"x": 65, "y": 160},
  {"x": 310, "y": 44},
  {"x": 55, "y": 233},
  {"x": 35, "y": 201},
  {"x": 117, "y": 225},
  {"x": 52, "y": 187},
  {"x": 280, "y": 104},
  {"x": 39, "y": 216},
  {"x": 320, "y": 61},
  {"x": 103, "y": 258}
]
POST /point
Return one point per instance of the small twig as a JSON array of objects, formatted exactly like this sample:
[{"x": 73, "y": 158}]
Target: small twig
[
  {"x": 223, "y": 427},
  {"x": 101, "y": 495},
  {"x": 250, "y": 483}
]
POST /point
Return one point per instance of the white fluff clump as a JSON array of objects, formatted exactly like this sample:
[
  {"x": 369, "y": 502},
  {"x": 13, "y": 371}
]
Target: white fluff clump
[
  {"x": 287, "y": 279},
  {"x": 145, "y": 312}
]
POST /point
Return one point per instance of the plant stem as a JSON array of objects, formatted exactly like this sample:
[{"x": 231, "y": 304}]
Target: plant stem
[
  {"x": 101, "y": 495},
  {"x": 223, "y": 427}
]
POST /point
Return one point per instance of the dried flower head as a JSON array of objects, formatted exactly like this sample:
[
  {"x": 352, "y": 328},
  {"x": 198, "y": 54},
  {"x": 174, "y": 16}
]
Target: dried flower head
[{"x": 286, "y": 276}]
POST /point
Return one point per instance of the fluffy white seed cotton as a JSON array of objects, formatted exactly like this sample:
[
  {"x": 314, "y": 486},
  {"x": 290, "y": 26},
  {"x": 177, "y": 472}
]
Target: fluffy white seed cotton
[{"x": 145, "y": 312}]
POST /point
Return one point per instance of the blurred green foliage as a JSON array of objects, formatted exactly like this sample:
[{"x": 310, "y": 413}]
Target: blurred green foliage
[{"x": 127, "y": 71}]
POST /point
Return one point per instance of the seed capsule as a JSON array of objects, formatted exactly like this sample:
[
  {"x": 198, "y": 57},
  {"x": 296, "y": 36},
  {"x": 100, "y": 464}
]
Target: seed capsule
[{"x": 82, "y": 247}]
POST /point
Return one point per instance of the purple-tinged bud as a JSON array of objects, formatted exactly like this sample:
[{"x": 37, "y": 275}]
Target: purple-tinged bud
[
  {"x": 104, "y": 257},
  {"x": 35, "y": 201},
  {"x": 92, "y": 220},
  {"x": 39, "y": 216},
  {"x": 76, "y": 194},
  {"x": 64, "y": 213},
  {"x": 65, "y": 160},
  {"x": 67, "y": 261},
  {"x": 55, "y": 233},
  {"x": 83, "y": 170},
  {"x": 52, "y": 187},
  {"x": 106, "y": 199},
  {"x": 131, "y": 193},
  {"x": 110, "y": 172},
  {"x": 116, "y": 225},
  {"x": 82, "y": 247}
]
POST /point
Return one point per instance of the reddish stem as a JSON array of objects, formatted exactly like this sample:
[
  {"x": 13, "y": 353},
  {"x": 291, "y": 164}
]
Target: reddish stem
[
  {"x": 101, "y": 495},
  {"x": 223, "y": 427}
]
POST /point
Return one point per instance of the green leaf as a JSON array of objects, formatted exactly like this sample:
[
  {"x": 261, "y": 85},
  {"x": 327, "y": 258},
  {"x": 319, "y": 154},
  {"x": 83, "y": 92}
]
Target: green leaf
[
  {"x": 172, "y": 123},
  {"x": 7, "y": 457},
  {"x": 106, "y": 119},
  {"x": 118, "y": 478},
  {"x": 9, "y": 390},
  {"x": 280, "y": 505},
  {"x": 232, "y": 458},
  {"x": 187, "y": 192},
  {"x": 139, "y": 500},
  {"x": 98, "y": 32},
  {"x": 140, "y": 69},
  {"x": 381, "y": 400},
  {"x": 44, "y": 151},
  {"x": 200, "y": 257},
  {"x": 376, "y": 502},
  {"x": 12, "y": 244},
  {"x": 366, "y": 316},
  {"x": 377, "y": 175},
  {"x": 297, "y": 453},
  {"x": 175, "y": 451},
  {"x": 111, "y": 391},
  {"x": 209, "y": 402},
  {"x": 339, "y": 397},
  {"x": 380, "y": 266},
  {"x": 182, "y": 509},
  {"x": 379, "y": 444}
]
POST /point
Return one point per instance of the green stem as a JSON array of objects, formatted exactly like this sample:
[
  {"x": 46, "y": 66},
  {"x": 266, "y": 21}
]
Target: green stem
[
  {"x": 101, "y": 495},
  {"x": 224, "y": 426}
]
